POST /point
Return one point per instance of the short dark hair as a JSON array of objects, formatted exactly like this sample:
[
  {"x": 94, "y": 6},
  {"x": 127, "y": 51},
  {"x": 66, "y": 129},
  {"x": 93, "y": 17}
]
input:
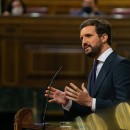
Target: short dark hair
[{"x": 102, "y": 27}]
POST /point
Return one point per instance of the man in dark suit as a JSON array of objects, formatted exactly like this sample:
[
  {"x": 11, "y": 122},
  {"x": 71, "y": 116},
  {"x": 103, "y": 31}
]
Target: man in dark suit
[{"x": 112, "y": 74}]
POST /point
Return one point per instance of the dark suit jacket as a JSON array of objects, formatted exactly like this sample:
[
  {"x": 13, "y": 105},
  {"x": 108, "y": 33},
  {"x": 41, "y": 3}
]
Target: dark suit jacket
[{"x": 112, "y": 86}]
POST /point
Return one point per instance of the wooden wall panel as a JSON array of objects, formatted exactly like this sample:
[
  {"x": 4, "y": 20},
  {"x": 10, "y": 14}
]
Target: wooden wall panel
[
  {"x": 107, "y": 5},
  {"x": 63, "y": 6},
  {"x": 33, "y": 49},
  {"x": 55, "y": 6},
  {"x": 43, "y": 61},
  {"x": 46, "y": 60},
  {"x": 9, "y": 63}
]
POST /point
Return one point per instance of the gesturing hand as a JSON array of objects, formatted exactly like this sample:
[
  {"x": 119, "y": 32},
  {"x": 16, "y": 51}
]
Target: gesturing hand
[
  {"x": 56, "y": 96},
  {"x": 80, "y": 96}
]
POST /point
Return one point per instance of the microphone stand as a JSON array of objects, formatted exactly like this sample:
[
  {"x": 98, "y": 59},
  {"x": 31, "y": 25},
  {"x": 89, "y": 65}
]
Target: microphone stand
[{"x": 45, "y": 102}]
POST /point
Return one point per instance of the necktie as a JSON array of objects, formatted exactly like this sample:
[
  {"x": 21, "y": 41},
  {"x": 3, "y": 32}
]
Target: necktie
[{"x": 93, "y": 75}]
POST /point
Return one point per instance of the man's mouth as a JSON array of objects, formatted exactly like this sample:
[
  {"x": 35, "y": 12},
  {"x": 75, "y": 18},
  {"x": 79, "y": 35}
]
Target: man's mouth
[{"x": 86, "y": 48}]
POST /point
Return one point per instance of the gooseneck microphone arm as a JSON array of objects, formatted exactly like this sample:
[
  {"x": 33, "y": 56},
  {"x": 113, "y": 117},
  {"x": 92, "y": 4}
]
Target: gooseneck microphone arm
[{"x": 47, "y": 98}]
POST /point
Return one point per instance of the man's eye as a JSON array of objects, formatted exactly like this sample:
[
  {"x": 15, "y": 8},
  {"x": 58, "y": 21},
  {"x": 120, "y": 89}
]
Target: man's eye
[
  {"x": 88, "y": 35},
  {"x": 81, "y": 38}
]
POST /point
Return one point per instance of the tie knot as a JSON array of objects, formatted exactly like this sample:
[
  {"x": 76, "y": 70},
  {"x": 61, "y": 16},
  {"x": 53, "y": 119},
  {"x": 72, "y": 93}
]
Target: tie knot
[{"x": 95, "y": 63}]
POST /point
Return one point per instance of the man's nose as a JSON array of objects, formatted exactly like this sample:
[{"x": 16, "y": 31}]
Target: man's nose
[{"x": 84, "y": 42}]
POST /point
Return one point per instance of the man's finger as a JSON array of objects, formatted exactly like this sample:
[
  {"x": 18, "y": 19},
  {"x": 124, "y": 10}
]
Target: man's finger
[
  {"x": 70, "y": 90},
  {"x": 73, "y": 95},
  {"x": 49, "y": 95},
  {"x": 52, "y": 100},
  {"x": 52, "y": 89},
  {"x": 83, "y": 87},
  {"x": 71, "y": 98},
  {"x": 75, "y": 87}
]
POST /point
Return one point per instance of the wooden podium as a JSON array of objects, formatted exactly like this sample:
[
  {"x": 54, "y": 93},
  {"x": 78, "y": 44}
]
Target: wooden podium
[{"x": 23, "y": 120}]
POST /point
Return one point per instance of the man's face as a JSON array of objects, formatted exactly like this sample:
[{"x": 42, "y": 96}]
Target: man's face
[{"x": 91, "y": 42}]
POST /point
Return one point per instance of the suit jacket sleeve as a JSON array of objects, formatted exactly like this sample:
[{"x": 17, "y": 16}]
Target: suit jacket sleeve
[
  {"x": 120, "y": 76},
  {"x": 77, "y": 110}
]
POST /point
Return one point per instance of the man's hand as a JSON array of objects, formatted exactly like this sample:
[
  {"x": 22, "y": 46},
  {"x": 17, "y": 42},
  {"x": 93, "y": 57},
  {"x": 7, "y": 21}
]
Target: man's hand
[
  {"x": 80, "y": 96},
  {"x": 56, "y": 96}
]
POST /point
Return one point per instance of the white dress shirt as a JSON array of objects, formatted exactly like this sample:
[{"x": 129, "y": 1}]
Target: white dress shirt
[{"x": 101, "y": 60}]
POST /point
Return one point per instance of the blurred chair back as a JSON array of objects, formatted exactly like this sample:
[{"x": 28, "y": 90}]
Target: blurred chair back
[
  {"x": 37, "y": 10},
  {"x": 24, "y": 120},
  {"x": 121, "y": 11}
]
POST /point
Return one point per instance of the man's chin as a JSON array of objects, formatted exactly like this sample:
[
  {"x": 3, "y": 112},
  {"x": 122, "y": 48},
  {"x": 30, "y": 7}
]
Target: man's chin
[{"x": 89, "y": 54}]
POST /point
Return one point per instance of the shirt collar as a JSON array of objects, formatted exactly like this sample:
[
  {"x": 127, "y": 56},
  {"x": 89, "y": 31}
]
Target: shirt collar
[{"x": 104, "y": 55}]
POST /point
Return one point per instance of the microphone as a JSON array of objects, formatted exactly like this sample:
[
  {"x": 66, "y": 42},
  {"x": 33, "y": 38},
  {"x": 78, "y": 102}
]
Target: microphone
[{"x": 47, "y": 98}]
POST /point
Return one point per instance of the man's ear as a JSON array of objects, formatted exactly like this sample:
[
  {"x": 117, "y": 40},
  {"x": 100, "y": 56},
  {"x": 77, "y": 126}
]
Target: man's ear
[{"x": 104, "y": 38}]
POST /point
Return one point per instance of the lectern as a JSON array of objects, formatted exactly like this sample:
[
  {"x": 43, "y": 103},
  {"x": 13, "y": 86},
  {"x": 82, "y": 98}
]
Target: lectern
[{"x": 23, "y": 120}]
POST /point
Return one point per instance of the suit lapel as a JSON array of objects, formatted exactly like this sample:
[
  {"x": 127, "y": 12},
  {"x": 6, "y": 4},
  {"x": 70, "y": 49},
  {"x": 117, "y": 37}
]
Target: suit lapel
[
  {"x": 102, "y": 74},
  {"x": 88, "y": 88}
]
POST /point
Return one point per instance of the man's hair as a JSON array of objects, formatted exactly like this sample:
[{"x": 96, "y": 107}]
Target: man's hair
[{"x": 102, "y": 27}]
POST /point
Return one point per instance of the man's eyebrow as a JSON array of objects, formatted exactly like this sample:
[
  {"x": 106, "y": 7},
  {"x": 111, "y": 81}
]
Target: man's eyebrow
[{"x": 88, "y": 34}]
